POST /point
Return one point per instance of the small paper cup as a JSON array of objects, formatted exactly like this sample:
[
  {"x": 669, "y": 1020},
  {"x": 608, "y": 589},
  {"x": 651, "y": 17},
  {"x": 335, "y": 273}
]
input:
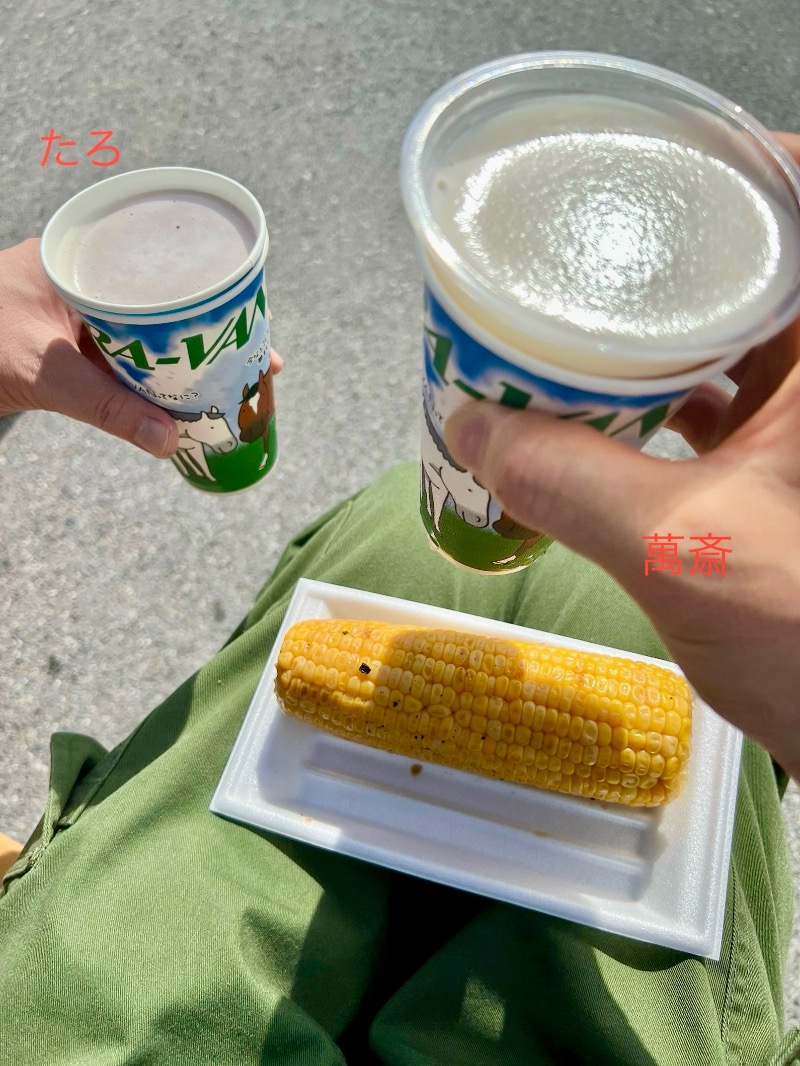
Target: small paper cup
[
  {"x": 481, "y": 344},
  {"x": 204, "y": 357}
]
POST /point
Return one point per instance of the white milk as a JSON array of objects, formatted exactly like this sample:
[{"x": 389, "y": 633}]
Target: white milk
[
  {"x": 156, "y": 247},
  {"x": 597, "y": 214}
]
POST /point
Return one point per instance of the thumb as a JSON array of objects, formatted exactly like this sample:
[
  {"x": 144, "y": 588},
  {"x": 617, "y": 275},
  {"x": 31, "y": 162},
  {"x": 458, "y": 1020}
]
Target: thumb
[
  {"x": 73, "y": 385},
  {"x": 595, "y": 495}
]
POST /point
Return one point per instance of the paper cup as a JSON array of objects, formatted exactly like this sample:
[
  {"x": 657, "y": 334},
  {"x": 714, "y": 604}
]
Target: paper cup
[
  {"x": 203, "y": 356},
  {"x": 482, "y": 344}
]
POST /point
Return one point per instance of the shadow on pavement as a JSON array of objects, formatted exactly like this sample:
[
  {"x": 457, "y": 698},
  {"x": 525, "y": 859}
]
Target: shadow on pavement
[{"x": 6, "y": 423}]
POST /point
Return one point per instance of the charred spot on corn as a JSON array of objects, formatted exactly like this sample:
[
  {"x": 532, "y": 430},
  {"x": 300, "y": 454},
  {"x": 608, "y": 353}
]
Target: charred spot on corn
[{"x": 597, "y": 726}]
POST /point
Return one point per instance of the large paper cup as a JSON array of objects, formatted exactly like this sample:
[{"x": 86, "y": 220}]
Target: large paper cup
[
  {"x": 481, "y": 343},
  {"x": 203, "y": 356}
]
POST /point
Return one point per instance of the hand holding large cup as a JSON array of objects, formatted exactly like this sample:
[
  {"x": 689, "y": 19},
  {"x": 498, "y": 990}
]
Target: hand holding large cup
[{"x": 598, "y": 237}]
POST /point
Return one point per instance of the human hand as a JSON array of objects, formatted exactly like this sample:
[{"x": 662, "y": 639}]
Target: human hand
[
  {"x": 737, "y": 636},
  {"x": 49, "y": 362}
]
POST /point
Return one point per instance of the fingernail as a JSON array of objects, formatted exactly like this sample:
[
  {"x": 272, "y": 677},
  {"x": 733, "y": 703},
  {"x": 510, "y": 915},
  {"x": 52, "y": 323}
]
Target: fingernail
[
  {"x": 466, "y": 435},
  {"x": 153, "y": 436}
]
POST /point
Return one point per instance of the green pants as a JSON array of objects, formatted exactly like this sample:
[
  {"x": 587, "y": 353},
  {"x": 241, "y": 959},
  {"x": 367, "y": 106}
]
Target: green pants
[{"x": 138, "y": 928}]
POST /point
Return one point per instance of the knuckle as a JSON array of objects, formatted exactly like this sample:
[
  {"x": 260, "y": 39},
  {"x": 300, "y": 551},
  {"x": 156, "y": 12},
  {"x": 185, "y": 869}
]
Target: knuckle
[
  {"x": 109, "y": 412},
  {"x": 531, "y": 470},
  {"x": 512, "y": 476},
  {"x": 517, "y": 471}
]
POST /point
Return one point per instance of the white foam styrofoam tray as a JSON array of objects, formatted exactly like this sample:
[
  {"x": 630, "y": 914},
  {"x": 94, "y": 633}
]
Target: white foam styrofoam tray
[{"x": 654, "y": 875}]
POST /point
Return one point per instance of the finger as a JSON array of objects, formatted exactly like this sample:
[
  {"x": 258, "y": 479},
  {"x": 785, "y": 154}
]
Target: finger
[
  {"x": 790, "y": 141},
  {"x": 738, "y": 371},
  {"x": 711, "y": 415},
  {"x": 93, "y": 353},
  {"x": 764, "y": 382},
  {"x": 769, "y": 363},
  {"x": 594, "y": 494},
  {"x": 72, "y": 385},
  {"x": 275, "y": 360},
  {"x": 700, "y": 419}
]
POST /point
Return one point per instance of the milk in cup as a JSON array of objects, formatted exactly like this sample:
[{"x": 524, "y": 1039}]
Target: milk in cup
[{"x": 155, "y": 247}]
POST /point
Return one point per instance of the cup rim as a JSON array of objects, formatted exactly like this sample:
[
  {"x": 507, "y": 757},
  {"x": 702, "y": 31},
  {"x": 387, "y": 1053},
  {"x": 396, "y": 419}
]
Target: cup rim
[
  {"x": 670, "y": 384},
  {"x": 687, "y": 351},
  {"x": 146, "y": 179}
]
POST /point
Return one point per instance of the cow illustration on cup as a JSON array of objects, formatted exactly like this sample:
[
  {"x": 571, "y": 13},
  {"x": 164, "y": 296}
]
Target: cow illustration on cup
[
  {"x": 196, "y": 432},
  {"x": 444, "y": 483}
]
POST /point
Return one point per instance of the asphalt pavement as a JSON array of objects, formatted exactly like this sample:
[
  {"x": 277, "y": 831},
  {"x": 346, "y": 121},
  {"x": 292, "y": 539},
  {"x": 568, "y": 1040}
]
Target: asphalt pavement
[{"x": 116, "y": 580}]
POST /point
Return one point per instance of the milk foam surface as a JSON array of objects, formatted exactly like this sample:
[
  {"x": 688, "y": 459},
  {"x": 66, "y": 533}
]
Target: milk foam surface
[
  {"x": 155, "y": 248},
  {"x": 612, "y": 231}
]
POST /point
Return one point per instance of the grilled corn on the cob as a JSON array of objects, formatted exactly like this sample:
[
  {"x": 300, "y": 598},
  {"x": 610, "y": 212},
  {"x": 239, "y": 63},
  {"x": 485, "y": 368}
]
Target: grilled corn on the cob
[{"x": 573, "y": 721}]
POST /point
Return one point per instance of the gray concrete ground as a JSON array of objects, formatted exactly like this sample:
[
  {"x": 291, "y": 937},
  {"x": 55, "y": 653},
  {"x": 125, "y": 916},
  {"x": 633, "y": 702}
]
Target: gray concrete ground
[{"x": 116, "y": 580}]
